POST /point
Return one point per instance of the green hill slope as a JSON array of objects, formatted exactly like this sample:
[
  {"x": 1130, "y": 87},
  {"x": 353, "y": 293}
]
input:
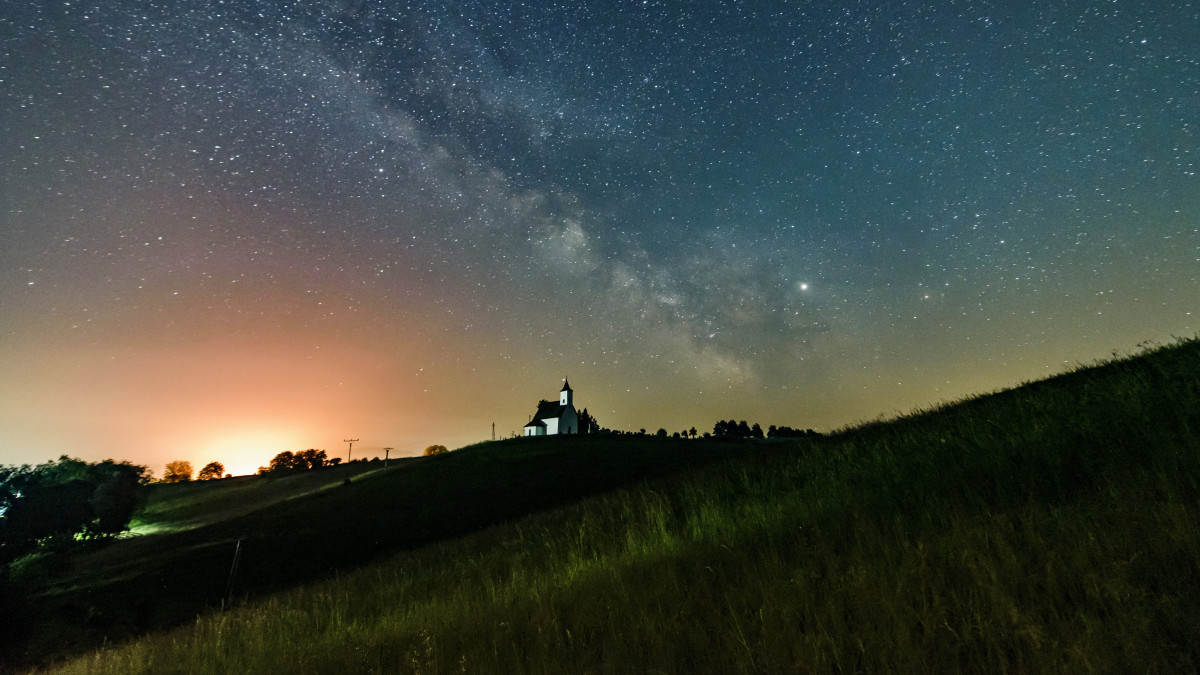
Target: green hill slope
[
  {"x": 1053, "y": 528},
  {"x": 184, "y": 506}
]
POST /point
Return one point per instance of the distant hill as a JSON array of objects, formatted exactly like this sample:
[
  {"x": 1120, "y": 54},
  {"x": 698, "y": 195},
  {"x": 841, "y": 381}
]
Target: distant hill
[{"x": 1051, "y": 527}]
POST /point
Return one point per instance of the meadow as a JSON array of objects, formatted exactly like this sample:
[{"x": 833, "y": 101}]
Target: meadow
[{"x": 1051, "y": 527}]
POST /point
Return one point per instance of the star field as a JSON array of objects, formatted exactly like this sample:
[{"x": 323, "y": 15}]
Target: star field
[{"x": 231, "y": 229}]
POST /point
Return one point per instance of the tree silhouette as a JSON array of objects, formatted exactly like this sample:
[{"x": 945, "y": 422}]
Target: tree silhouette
[
  {"x": 60, "y": 501},
  {"x": 310, "y": 459},
  {"x": 788, "y": 432},
  {"x": 117, "y": 496},
  {"x": 299, "y": 461},
  {"x": 284, "y": 461},
  {"x": 723, "y": 429},
  {"x": 435, "y": 450},
  {"x": 211, "y": 471},
  {"x": 587, "y": 423},
  {"x": 732, "y": 429},
  {"x": 178, "y": 471}
]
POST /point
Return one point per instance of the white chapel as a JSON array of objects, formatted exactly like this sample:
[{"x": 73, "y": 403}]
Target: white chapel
[{"x": 555, "y": 418}]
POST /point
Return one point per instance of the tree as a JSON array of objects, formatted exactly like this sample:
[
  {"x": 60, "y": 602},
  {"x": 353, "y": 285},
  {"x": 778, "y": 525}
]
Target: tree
[
  {"x": 178, "y": 471},
  {"x": 587, "y": 423},
  {"x": 310, "y": 459},
  {"x": 119, "y": 492},
  {"x": 59, "y": 501},
  {"x": 45, "y": 510},
  {"x": 284, "y": 461},
  {"x": 211, "y": 471},
  {"x": 661, "y": 433},
  {"x": 435, "y": 450}
]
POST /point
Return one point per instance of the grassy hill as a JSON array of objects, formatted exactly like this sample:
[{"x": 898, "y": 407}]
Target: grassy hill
[
  {"x": 184, "y": 506},
  {"x": 1051, "y": 527},
  {"x": 304, "y": 527}
]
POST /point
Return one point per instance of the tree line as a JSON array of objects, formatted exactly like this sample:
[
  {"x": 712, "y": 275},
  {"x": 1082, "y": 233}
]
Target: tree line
[
  {"x": 725, "y": 429},
  {"x": 304, "y": 460},
  {"x": 180, "y": 471},
  {"x": 732, "y": 429}
]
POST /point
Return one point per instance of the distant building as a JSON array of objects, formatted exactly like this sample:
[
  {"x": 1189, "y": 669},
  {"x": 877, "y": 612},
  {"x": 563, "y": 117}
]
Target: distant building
[{"x": 555, "y": 418}]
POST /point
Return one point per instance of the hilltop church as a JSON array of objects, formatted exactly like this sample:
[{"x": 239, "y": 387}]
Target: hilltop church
[{"x": 555, "y": 418}]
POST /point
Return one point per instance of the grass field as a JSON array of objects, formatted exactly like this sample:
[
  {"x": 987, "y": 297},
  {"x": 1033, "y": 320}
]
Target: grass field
[{"x": 1054, "y": 527}]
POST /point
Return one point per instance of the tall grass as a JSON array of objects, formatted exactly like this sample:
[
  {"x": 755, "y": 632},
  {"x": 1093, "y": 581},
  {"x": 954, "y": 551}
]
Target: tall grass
[{"x": 1053, "y": 527}]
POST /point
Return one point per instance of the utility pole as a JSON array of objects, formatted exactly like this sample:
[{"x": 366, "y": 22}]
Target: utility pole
[
  {"x": 386, "y": 452},
  {"x": 351, "y": 441},
  {"x": 493, "y": 431}
]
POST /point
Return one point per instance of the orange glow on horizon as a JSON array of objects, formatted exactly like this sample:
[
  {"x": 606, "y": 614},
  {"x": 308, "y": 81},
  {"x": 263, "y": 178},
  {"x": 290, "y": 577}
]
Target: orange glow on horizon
[{"x": 242, "y": 452}]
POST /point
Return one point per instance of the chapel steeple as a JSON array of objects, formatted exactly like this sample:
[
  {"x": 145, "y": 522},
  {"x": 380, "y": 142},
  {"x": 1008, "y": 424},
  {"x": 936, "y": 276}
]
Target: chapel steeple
[{"x": 567, "y": 395}]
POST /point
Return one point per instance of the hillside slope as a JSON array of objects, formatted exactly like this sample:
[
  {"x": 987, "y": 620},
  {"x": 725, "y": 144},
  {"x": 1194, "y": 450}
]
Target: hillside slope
[
  {"x": 1051, "y": 528},
  {"x": 184, "y": 506},
  {"x": 323, "y": 527}
]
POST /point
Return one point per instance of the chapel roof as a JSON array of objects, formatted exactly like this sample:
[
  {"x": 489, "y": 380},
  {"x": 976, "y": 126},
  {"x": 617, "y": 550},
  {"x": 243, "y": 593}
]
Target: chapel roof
[{"x": 549, "y": 410}]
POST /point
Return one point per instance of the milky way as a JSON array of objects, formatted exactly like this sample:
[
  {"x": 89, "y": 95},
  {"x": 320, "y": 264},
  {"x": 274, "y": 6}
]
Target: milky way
[{"x": 293, "y": 222}]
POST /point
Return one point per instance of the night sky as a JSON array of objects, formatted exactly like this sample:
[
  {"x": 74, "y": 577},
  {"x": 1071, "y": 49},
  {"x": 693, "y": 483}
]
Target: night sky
[{"x": 229, "y": 229}]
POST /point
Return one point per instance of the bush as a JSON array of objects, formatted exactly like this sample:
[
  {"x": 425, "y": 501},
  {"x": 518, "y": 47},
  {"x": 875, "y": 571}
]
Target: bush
[{"x": 59, "y": 501}]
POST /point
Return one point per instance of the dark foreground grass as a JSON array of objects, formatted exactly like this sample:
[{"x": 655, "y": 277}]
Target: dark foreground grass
[{"x": 1055, "y": 527}]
